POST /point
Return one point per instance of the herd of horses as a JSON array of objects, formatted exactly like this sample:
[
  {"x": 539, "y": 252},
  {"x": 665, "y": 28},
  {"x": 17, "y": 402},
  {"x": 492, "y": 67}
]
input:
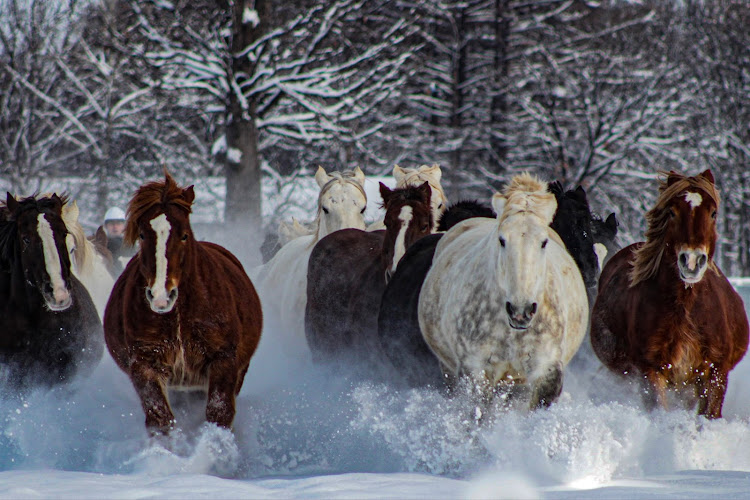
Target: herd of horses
[{"x": 502, "y": 295}]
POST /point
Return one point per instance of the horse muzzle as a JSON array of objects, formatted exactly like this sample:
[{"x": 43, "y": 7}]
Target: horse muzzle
[
  {"x": 519, "y": 318},
  {"x": 59, "y": 300},
  {"x": 692, "y": 264},
  {"x": 161, "y": 303}
]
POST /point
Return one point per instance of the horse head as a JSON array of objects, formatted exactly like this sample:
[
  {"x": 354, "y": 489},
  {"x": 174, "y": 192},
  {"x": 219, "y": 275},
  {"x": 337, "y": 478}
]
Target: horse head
[
  {"x": 415, "y": 177},
  {"x": 525, "y": 210},
  {"x": 342, "y": 201},
  {"x": 159, "y": 216},
  {"x": 408, "y": 217},
  {"x": 35, "y": 234},
  {"x": 572, "y": 222},
  {"x": 681, "y": 228}
]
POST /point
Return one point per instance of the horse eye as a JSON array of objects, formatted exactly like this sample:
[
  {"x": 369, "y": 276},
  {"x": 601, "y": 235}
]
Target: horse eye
[
  {"x": 184, "y": 237},
  {"x": 544, "y": 244},
  {"x": 26, "y": 240},
  {"x": 361, "y": 211},
  {"x": 440, "y": 206},
  {"x": 425, "y": 227},
  {"x": 325, "y": 210},
  {"x": 672, "y": 214},
  {"x": 502, "y": 242},
  {"x": 142, "y": 236},
  {"x": 713, "y": 215}
]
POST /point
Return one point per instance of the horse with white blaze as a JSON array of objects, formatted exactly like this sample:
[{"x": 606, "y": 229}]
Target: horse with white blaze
[{"x": 504, "y": 302}]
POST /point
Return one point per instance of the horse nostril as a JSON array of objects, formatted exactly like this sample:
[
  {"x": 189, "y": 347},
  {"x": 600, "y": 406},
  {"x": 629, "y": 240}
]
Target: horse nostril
[
  {"x": 702, "y": 260},
  {"x": 149, "y": 294},
  {"x": 173, "y": 294},
  {"x": 533, "y": 308},
  {"x": 509, "y": 308},
  {"x": 683, "y": 259}
]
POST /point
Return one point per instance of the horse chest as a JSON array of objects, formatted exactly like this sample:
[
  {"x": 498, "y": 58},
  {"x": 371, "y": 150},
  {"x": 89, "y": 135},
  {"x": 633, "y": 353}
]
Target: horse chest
[{"x": 187, "y": 361}]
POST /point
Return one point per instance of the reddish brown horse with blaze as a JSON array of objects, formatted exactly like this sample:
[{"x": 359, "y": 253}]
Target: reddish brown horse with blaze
[
  {"x": 183, "y": 313},
  {"x": 665, "y": 312}
]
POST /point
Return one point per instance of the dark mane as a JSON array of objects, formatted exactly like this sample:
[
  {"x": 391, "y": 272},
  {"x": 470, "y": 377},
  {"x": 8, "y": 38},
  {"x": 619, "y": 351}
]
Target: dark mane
[
  {"x": 462, "y": 210},
  {"x": 162, "y": 193}
]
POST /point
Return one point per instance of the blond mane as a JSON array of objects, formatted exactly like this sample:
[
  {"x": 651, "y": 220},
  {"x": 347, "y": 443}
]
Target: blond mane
[
  {"x": 348, "y": 177},
  {"x": 84, "y": 249},
  {"x": 416, "y": 176},
  {"x": 648, "y": 256}
]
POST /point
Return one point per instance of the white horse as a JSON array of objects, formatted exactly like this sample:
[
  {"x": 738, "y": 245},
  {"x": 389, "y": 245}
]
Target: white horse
[
  {"x": 415, "y": 177},
  {"x": 504, "y": 302},
  {"x": 282, "y": 281},
  {"x": 86, "y": 263}
]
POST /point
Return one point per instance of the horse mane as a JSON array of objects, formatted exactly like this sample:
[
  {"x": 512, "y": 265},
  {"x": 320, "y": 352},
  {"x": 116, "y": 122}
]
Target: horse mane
[
  {"x": 414, "y": 177},
  {"x": 527, "y": 193},
  {"x": 462, "y": 210},
  {"x": 162, "y": 193},
  {"x": 84, "y": 254},
  {"x": 647, "y": 257}
]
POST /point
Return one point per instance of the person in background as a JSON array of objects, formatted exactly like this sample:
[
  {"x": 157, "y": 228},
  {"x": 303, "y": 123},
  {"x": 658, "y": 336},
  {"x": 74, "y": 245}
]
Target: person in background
[{"x": 114, "y": 227}]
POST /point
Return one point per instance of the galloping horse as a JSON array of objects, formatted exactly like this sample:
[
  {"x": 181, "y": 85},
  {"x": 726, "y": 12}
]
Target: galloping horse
[
  {"x": 282, "y": 281},
  {"x": 665, "y": 312},
  {"x": 49, "y": 328},
  {"x": 183, "y": 313},
  {"x": 88, "y": 265},
  {"x": 504, "y": 302},
  {"x": 347, "y": 274}
]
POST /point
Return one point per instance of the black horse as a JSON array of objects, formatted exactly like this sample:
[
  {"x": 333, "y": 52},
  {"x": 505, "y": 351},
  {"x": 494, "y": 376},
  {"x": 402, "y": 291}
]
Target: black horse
[
  {"x": 398, "y": 321},
  {"x": 49, "y": 327}
]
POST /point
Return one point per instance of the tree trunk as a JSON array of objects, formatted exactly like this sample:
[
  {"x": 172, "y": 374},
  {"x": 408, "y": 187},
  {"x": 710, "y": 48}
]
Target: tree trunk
[
  {"x": 242, "y": 168},
  {"x": 499, "y": 103}
]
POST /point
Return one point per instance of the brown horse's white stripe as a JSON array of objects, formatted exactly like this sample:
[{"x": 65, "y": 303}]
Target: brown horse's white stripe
[
  {"x": 162, "y": 228},
  {"x": 400, "y": 246},
  {"x": 52, "y": 261}
]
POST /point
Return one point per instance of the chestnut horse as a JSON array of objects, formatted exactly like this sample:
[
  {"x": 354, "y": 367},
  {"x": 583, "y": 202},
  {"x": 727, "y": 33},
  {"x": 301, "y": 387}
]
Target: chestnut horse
[
  {"x": 665, "y": 312},
  {"x": 49, "y": 327},
  {"x": 183, "y": 314},
  {"x": 348, "y": 272}
]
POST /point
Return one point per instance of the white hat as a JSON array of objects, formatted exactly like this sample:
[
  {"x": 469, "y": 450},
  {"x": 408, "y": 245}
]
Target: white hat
[{"x": 114, "y": 213}]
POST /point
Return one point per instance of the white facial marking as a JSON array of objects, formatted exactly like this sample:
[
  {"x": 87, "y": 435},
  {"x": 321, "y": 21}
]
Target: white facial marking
[
  {"x": 695, "y": 199},
  {"x": 52, "y": 260},
  {"x": 601, "y": 253},
  {"x": 161, "y": 227},
  {"x": 400, "y": 246}
]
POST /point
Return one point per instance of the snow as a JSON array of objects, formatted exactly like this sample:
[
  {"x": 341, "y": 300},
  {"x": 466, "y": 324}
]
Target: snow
[
  {"x": 250, "y": 16},
  {"x": 309, "y": 432}
]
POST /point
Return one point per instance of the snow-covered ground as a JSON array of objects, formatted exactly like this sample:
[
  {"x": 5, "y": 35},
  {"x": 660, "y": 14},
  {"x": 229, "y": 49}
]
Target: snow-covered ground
[{"x": 301, "y": 432}]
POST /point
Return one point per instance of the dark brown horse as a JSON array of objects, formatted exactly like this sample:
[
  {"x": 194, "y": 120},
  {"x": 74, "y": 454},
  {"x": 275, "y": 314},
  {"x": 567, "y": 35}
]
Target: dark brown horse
[
  {"x": 49, "y": 328},
  {"x": 347, "y": 274},
  {"x": 183, "y": 313},
  {"x": 665, "y": 312}
]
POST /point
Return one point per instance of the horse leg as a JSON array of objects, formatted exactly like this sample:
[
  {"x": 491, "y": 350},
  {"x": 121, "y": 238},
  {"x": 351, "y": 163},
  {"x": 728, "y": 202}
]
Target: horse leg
[
  {"x": 711, "y": 392},
  {"x": 654, "y": 389},
  {"x": 149, "y": 385},
  {"x": 222, "y": 387},
  {"x": 547, "y": 387}
]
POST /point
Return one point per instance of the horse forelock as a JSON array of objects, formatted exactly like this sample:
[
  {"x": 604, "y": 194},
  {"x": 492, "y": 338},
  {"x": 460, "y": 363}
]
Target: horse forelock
[
  {"x": 337, "y": 179},
  {"x": 154, "y": 194},
  {"x": 648, "y": 256},
  {"x": 527, "y": 194}
]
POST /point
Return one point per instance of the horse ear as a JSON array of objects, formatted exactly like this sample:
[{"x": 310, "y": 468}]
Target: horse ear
[
  {"x": 188, "y": 194},
  {"x": 433, "y": 171},
  {"x": 498, "y": 203},
  {"x": 673, "y": 177},
  {"x": 359, "y": 176},
  {"x": 70, "y": 212},
  {"x": 398, "y": 174},
  {"x": 10, "y": 202},
  {"x": 385, "y": 193},
  {"x": 708, "y": 175},
  {"x": 425, "y": 191},
  {"x": 100, "y": 238},
  {"x": 556, "y": 188},
  {"x": 611, "y": 222},
  {"x": 321, "y": 177},
  {"x": 581, "y": 193}
]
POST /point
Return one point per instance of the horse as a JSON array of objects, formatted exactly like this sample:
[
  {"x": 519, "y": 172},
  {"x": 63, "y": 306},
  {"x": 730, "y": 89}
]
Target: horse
[
  {"x": 348, "y": 272},
  {"x": 665, "y": 313},
  {"x": 183, "y": 314},
  {"x": 415, "y": 177},
  {"x": 87, "y": 264},
  {"x": 286, "y": 232},
  {"x": 282, "y": 281},
  {"x": 50, "y": 331},
  {"x": 604, "y": 232},
  {"x": 399, "y": 335},
  {"x": 504, "y": 303}
]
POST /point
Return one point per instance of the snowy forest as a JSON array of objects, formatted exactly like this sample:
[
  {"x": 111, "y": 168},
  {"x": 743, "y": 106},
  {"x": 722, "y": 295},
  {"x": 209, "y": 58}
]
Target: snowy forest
[{"x": 598, "y": 93}]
